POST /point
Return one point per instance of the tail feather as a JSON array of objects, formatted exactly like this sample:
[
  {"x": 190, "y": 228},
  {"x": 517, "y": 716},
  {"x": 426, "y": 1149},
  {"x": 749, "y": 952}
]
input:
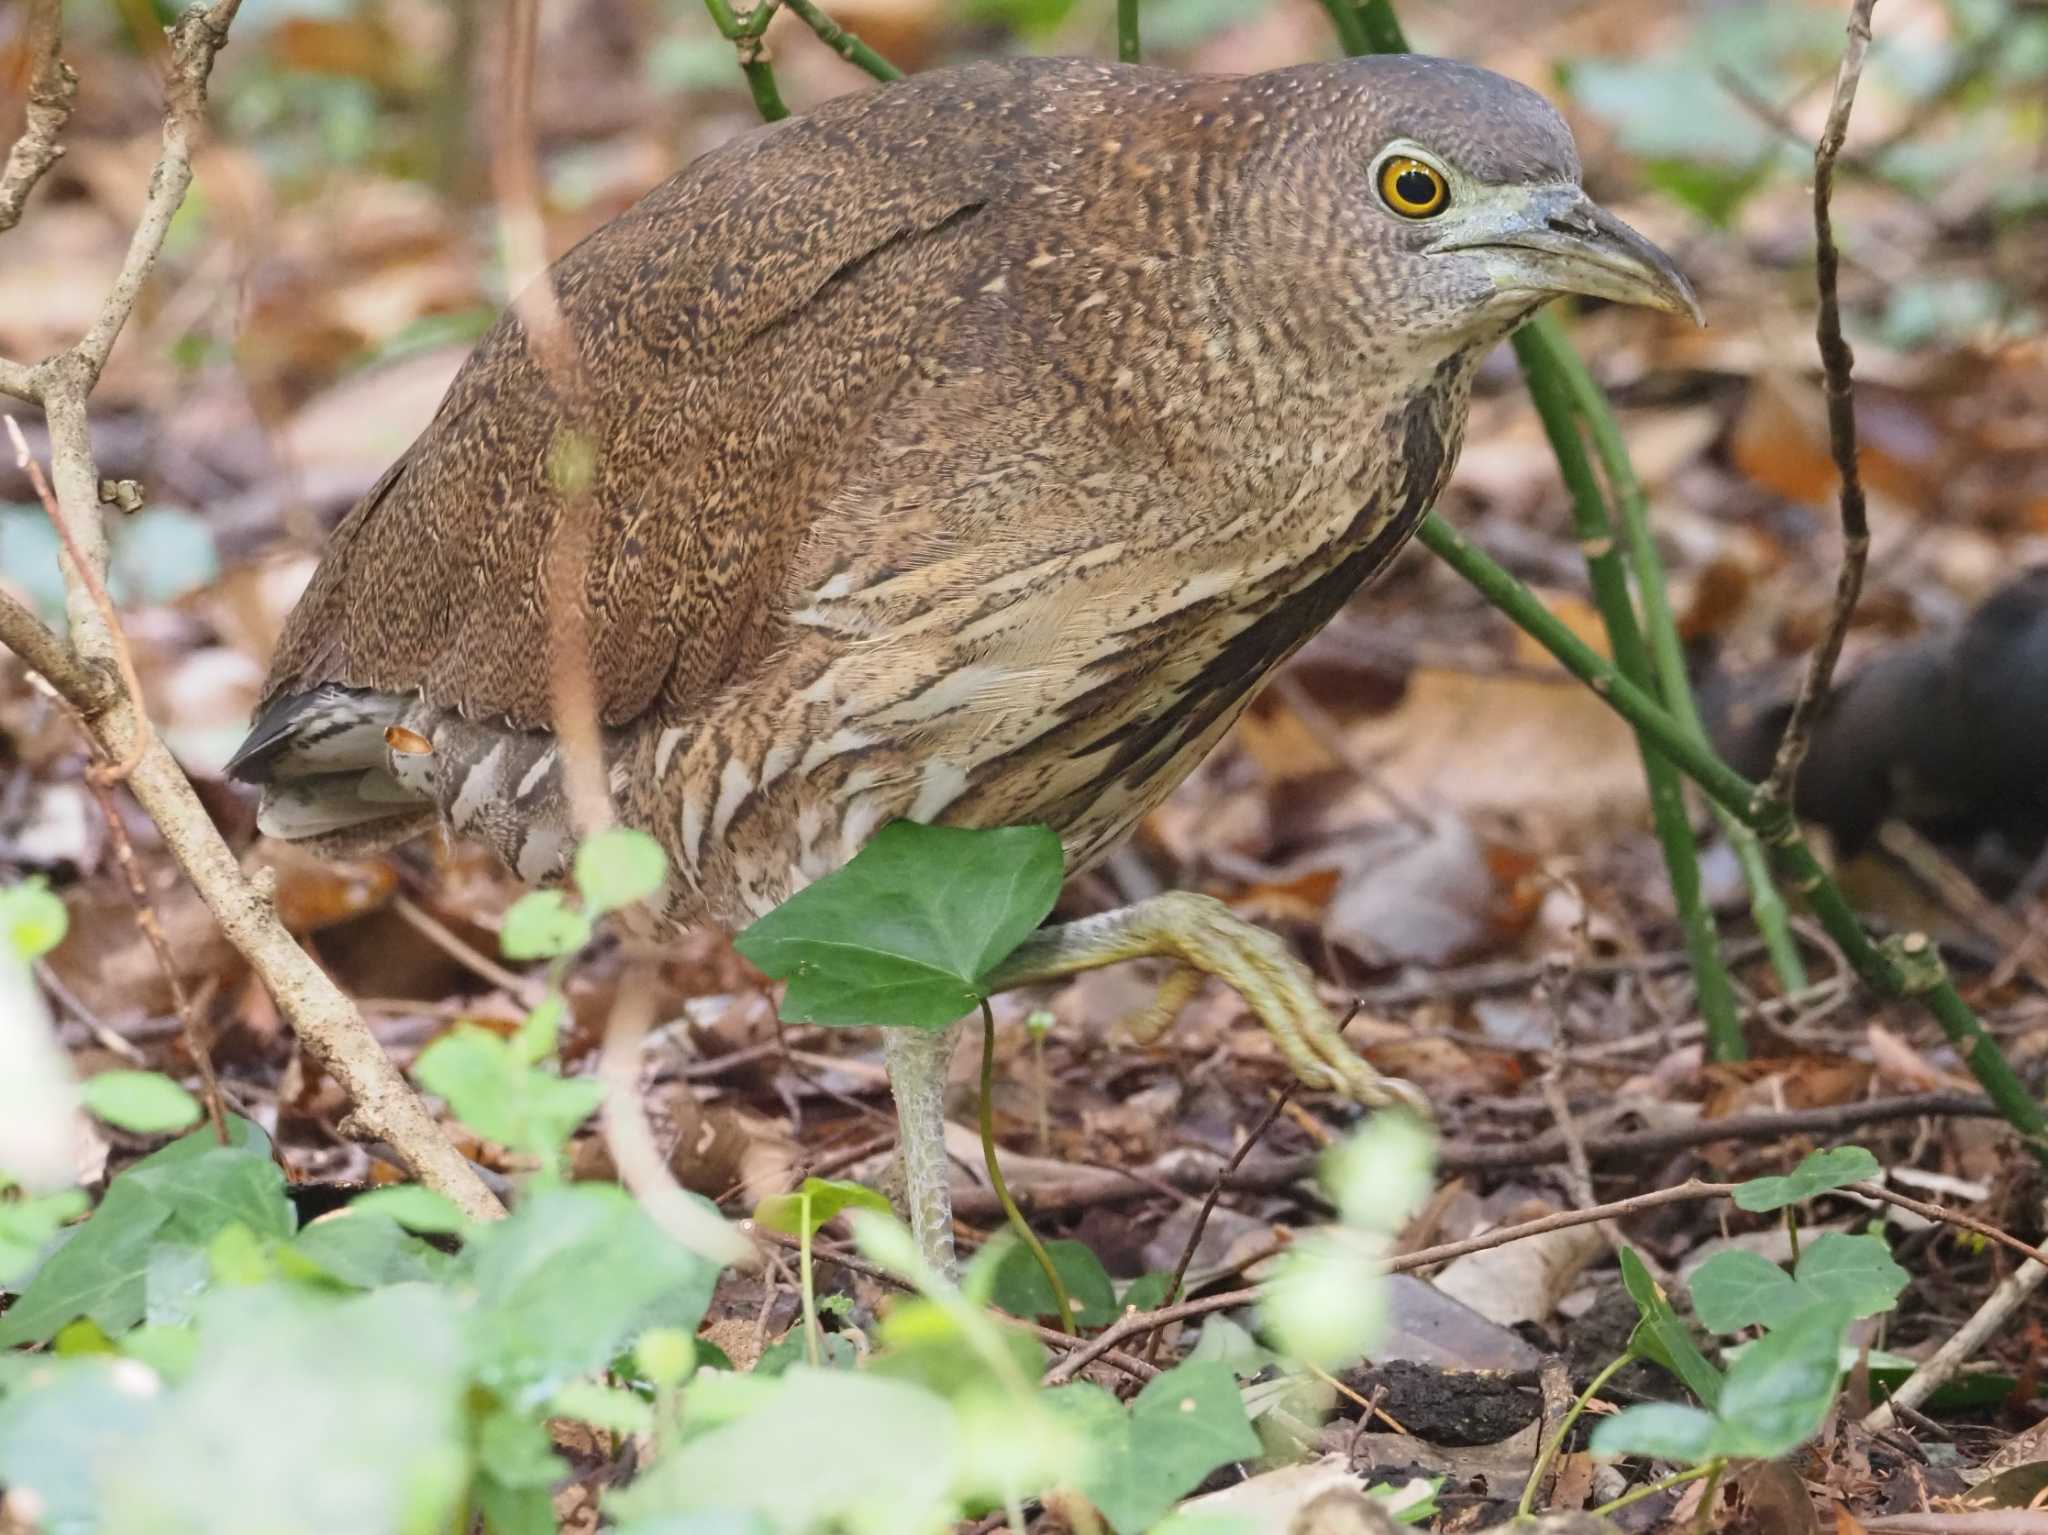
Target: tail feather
[{"x": 335, "y": 772}]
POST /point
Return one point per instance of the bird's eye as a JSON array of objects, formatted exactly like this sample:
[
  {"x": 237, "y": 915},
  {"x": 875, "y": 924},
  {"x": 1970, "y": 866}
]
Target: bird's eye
[{"x": 1412, "y": 189}]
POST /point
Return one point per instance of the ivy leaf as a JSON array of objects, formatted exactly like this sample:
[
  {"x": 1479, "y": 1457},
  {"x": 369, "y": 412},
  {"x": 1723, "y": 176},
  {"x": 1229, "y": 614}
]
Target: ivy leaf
[
  {"x": 1659, "y": 1431},
  {"x": 1819, "y": 1172},
  {"x": 1736, "y": 1289},
  {"x": 827, "y": 1196},
  {"x": 1855, "y": 1273},
  {"x": 1782, "y": 1386},
  {"x": 1662, "y": 1337},
  {"x": 497, "y": 1094},
  {"x": 542, "y": 925},
  {"x": 617, "y": 867},
  {"x": 414, "y": 1207},
  {"x": 33, "y": 920},
  {"x": 1182, "y": 1426},
  {"x": 141, "y": 1102},
  {"x": 907, "y": 934},
  {"x": 1021, "y": 1288}
]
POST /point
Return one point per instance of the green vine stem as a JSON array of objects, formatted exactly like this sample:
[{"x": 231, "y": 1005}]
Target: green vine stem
[
  {"x": 843, "y": 42},
  {"x": 1908, "y": 969},
  {"x": 1011, "y": 1213},
  {"x": 1527, "y": 1505},
  {"x": 744, "y": 33},
  {"x": 1537, "y": 345},
  {"x": 1127, "y": 47},
  {"x": 1660, "y": 626},
  {"x": 1711, "y": 1468}
]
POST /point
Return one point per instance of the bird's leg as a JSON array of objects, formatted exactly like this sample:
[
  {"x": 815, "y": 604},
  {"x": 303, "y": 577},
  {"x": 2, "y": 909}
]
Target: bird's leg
[
  {"x": 918, "y": 1061},
  {"x": 1207, "y": 938}
]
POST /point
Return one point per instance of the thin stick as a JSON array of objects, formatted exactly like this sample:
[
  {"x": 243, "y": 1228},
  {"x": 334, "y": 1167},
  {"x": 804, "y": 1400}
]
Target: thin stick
[
  {"x": 88, "y": 574},
  {"x": 1950, "y": 1217},
  {"x": 52, "y": 89},
  {"x": 152, "y": 930},
  {"x": 1837, "y": 364}
]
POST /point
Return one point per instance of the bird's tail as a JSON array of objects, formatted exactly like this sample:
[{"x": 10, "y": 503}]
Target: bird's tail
[{"x": 349, "y": 770}]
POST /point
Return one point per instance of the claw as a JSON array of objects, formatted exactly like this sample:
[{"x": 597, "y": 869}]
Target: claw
[{"x": 1207, "y": 938}]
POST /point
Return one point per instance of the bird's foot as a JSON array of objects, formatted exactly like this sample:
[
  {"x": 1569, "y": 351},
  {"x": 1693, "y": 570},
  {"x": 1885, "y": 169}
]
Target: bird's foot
[{"x": 1207, "y": 938}]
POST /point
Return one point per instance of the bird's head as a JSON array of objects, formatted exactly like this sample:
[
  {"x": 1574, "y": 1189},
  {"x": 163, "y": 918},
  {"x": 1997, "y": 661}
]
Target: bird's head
[{"x": 1447, "y": 196}]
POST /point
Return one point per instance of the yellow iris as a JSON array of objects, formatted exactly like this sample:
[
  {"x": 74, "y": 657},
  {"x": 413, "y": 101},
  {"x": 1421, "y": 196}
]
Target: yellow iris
[{"x": 1412, "y": 189}]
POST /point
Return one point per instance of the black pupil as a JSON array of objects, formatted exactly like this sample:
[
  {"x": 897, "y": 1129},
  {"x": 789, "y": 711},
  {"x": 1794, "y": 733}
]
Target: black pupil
[{"x": 1415, "y": 186}]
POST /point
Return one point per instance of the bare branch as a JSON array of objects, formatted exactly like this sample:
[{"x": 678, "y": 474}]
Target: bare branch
[
  {"x": 326, "y": 1023},
  {"x": 1837, "y": 363},
  {"x": 52, "y": 89},
  {"x": 85, "y": 572},
  {"x": 20, "y": 381},
  {"x": 28, "y": 637},
  {"x": 194, "y": 40}
]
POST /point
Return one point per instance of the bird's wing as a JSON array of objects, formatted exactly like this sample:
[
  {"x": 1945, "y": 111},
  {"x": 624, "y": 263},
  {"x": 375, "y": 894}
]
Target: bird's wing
[{"x": 737, "y": 330}]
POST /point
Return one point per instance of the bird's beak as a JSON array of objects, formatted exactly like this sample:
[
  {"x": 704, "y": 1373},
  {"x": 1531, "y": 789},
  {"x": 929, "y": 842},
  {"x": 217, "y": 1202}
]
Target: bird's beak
[{"x": 1557, "y": 240}]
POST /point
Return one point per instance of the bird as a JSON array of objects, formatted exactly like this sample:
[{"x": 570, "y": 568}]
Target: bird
[{"x": 966, "y": 451}]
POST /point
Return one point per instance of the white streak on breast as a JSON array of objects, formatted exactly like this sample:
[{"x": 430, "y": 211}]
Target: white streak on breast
[
  {"x": 665, "y": 747},
  {"x": 478, "y": 785},
  {"x": 942, "y": 784},
  {"x": 735, "y": 783},
  {"x": 536, "y": 773}
]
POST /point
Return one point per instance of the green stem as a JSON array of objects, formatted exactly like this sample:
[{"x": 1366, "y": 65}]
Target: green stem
[
  {"x": 812, "y": 1349},
  {"x": 1792, "y": 1235},
  {"x": 1350, "y": 27},
  {"x": 1538, "y": 345},
  {"x": 995, "y": 1175},
  {"x": 1706, "y": 1515},
  {"x": 1651, "y": 1489},
  {"x": 843, "y": 42},
  {"x": 1527, "y": 1505},
  {"x": 1127, "y": 48},
  {"x": 1381, "y": 28},
  {"x": 744, "y": 33},
  {"x": 1906, "y": 970},
  {"x": 1661, "y": 628}
]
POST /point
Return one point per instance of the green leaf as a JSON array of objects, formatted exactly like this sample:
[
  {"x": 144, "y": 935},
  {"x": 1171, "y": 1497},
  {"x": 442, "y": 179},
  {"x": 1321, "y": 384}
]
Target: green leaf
[
  {"x": 907, "y": 933},
  {"x": 1658, "y": 1430},
  {"x": 1022, "y": 1290},
  {"x": 1779, "y": 1390},
  {"x": 617, "y": 867},
  {"x": 69, "y": 1420},
  {"x": 1380, "y": 1174},
  {"x": 141, "y": 1102},
  {"x": 1327, "y": 1300},
  {"x": 27, "y": 1225},
  {"x": 667, "y": 1355},
  {"x": 1855, "y": 1273},
  {"x": 1148, "y": 1292},
  {"x": 34, "y": 920},
  {"x": 884, "y": 1455},
  {"x": 827, "y": 1196},
  {"x": 514, "y": 1450},
  {"x": 365, "y": 1250},
  {"x": 1661, "y": 1337},
  {"x": 542, "y": 925},
  {"x": 568, "y": 1280},
  {"x": 1413, "y": 1501},
  {"x": 498, "y": 1095},
  {"x": 602, "y": 1407},
  {"x": 414, "y": 1207},
  {"x": 180, "y": 1198},
  {"x": 515, "y": 1510},
  {"x": 1819, "y": 1172},
  {"x": 1736, "y": 1289},
  {"x": 1182, "y": 1426}
]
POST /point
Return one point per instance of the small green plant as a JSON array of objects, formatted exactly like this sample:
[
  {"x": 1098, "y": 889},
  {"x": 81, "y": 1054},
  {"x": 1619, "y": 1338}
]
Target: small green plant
[{"x": 1777, "y": 1389}]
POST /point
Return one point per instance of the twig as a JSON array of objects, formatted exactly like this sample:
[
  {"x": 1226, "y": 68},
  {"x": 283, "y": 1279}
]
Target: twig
[
  {"x": 1132, "y": 1324},
  {"x": 1837, "y": 363},
  {"x": 1108, "y": 1185},
  {"x": 84, "y": 571},
  {"x": 1223, "y": 1176},
  {"x": 576, "y": 454},
  {"x": 630, "y": 1140},
  {"x": 152, "y": 930},
  {"x": 524, "y": 988},
  {"x": 52, "y": 88},
  {"x": 1950, "y": 1217},
  {"x": 325, "y": 1022}
]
